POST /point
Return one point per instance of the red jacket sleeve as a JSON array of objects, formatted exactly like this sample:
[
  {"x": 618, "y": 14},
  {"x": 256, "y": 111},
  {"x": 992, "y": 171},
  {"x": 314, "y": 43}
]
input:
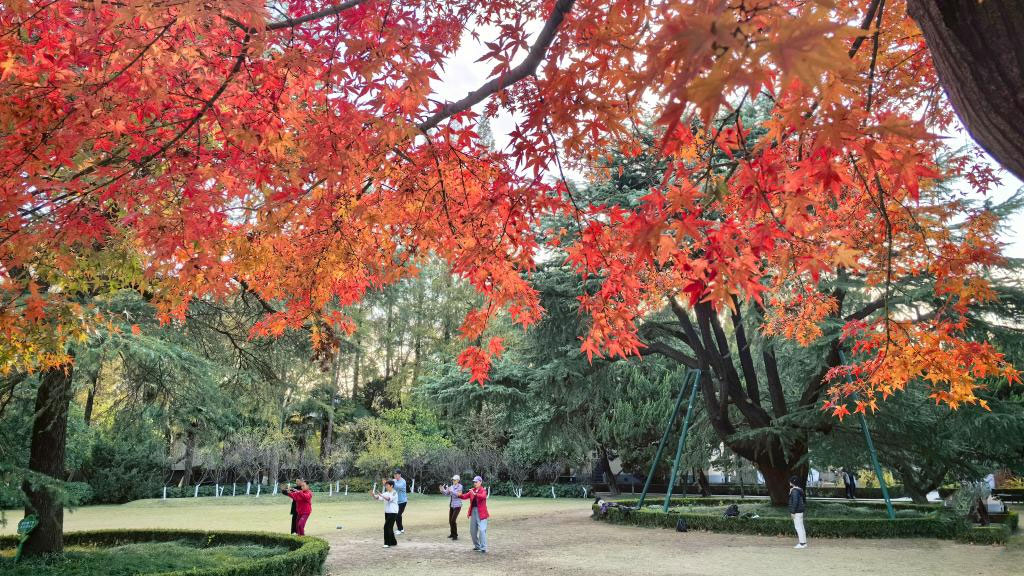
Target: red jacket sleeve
[
  {"x": 300, "y": 496},
  {"x": 464, "y": 495}
]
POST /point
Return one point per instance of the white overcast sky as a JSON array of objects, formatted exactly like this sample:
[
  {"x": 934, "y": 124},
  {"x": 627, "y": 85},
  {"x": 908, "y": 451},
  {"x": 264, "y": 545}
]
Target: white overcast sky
[{"x": 462, "y": 75}]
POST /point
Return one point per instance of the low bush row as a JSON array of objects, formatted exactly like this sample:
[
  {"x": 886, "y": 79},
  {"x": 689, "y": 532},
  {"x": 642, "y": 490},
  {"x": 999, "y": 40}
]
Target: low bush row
[
  {"x": 305, "y": 556},
  {"x": 937, "y": 523},
  {"x": 759, "y": 490}
]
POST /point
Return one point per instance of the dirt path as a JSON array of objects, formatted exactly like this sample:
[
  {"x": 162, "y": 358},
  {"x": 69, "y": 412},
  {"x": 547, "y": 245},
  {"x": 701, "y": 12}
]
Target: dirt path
[{"x": 569, "y": 542}]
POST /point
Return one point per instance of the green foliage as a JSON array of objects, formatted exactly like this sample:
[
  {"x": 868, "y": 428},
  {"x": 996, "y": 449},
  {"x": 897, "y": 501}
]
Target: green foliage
[
  {"x": 398, "y": 438},
  {"x": 176, "y": 552},
  {"x": 125, "y": 466}
]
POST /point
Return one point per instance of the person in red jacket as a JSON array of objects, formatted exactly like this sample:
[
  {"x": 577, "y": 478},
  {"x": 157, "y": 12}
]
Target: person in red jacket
[
  {"x": 303, "y": 499},
  {"x": 477, "y": 496}
]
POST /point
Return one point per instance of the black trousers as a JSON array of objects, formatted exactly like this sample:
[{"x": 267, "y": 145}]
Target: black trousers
[
  {"x": 851, "y": 491},
  {"x": 453, "y": 521},
  {"x": 401, "y": 509},
  {"x": 389, "y": 528}
]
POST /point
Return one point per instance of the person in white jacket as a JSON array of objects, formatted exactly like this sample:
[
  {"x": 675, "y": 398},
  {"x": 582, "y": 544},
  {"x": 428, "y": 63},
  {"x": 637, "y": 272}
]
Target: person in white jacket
[{"x": 390, "y": 499}]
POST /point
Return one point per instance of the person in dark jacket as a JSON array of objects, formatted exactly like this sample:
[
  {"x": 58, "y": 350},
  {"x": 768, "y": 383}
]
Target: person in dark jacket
[
  {"x": 797, "y": 506},
  {"x": 295, "y": 516}
]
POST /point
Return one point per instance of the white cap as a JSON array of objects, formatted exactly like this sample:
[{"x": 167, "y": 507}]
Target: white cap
[{"x": 456, "y": 477}]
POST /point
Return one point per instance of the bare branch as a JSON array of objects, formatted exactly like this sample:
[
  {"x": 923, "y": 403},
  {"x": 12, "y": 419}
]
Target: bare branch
[{"x": 525, "y": 68}]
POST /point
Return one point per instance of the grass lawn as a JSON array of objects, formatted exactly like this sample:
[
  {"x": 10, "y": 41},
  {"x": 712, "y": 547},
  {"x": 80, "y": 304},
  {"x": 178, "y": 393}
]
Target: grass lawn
[{"x": 537, "y": 536}]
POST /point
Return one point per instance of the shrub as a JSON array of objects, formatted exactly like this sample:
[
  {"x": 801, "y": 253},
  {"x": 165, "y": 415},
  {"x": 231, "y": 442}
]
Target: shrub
[
  {"x": 991, "y": 534},
  {"x": 936, "y": 523},
  {"x": 305, "y": 555},
  {"x": 120, "y": 470},
  {"x": 533, "y": 490}
]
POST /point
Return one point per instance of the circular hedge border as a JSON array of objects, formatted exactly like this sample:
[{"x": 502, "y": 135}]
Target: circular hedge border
[
  {"x": 305, "y": 556},
  {"x": 938, "y": 523}
]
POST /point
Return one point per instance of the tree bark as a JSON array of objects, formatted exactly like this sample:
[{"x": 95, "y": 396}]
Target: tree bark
[
  {"x": 190, "y": 453},
  {"x": 978, "y": 55},
  {"x": 91, "y": 398},
  {"x": 49, "y": 440},
  {"x": 606, "y": 467},
  {"x": 776, "y": 481}
]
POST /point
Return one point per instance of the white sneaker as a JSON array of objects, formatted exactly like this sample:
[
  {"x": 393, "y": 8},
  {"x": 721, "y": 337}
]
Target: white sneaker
[
  {"x": 399, "y": 532},
  {"x": 800, "y": 546},
  {"x": 386, "y": 546}
]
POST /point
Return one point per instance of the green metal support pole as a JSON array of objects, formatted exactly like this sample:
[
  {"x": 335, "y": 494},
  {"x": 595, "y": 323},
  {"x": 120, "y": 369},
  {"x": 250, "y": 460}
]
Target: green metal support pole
[
  {"x": 874, "y": 454},
  {"x": 682, "y": 441},
  {"x": 661, "y": 445}
]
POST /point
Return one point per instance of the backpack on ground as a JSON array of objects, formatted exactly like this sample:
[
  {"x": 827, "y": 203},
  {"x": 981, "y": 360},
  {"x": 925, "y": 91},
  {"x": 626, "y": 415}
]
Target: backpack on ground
[
  {"x": 681, "y": 525},
  {"x": 732, "y": 511}
]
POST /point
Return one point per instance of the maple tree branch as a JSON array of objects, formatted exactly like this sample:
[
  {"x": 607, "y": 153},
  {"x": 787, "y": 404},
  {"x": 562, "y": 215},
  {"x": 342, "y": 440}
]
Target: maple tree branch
[
  {"x": 329, "y": 11},
  {"x": 527, "y": 67},
  {"x": 771, "y": 369},
  {"x": 656, "y": 347},
  {"x": 287, "y": 22},
  {"x": 865, "y": 24},
  {"x": 746, "y": 360},
  {"x": 867, "y": 310}
]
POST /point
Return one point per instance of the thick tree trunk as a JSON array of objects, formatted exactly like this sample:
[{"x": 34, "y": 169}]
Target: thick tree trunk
[
  {"x": 91, "y": 398},
  {"x": 606, "y": 468},
  {"x": 49, "y": 435},
  {"x": 776, "y": 480},
  {"x": 190, "y": 453},
  {"x": 977, "y": 50},
  {"x": 702, "y": 481}
]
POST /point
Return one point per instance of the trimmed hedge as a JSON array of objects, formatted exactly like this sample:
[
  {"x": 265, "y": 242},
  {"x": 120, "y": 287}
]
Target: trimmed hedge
[
  {"x": 305, "y": 557},
  {"x": 1009, "y": 494},
  {"x": 935, "y": 525},
  {"x": 939, "y": 523},
  {"x": 991, "y": 534},
  {"x": 730, "y": 489}
]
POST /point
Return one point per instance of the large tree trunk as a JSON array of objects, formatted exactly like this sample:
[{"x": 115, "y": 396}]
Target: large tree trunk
[
  {"x": 776, "y": 480},
  {"x": 49, "y": 435},
  {"x": 190, "y": 453},
  {"x": 606, "y": 467},
  {"x": 91, "y": 397},
  {"x": 976, "y": 47}
]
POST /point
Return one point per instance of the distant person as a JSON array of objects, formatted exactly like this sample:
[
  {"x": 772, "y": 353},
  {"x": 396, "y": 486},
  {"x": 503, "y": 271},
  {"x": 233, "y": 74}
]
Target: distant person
[
  {"x": 797, "y": 506},
  {"x": 302, "y": 497},
  {"x": 454, "y": 493},
  {"x": 850, "y": 481},
  {"x": 403, "y": 499},
  {"x": 390, "y": 499},
  {"x": 477, "y": 496}
]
